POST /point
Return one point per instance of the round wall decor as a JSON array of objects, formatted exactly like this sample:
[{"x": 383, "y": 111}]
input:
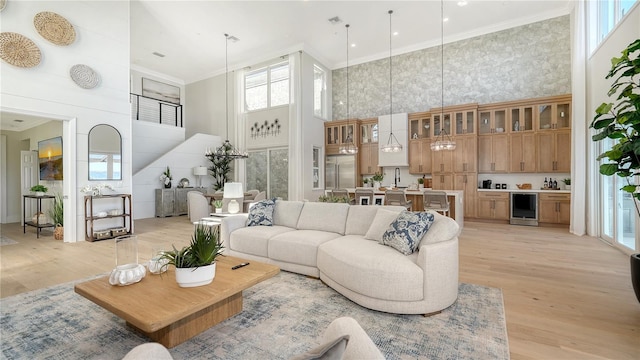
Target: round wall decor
[
  {"x": 19, "y": 50},
  {"x": 3, "y": 3},
  {"x": 84, "y": 76},
  {"x": 54, "y": 28}
]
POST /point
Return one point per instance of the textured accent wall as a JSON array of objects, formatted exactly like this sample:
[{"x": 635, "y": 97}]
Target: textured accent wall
[{"x": 528, "y": 61}]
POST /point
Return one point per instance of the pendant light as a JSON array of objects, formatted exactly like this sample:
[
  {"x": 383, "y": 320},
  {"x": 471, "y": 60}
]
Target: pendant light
[
  {"x": 393, "y": 145},
  {"x": 349, "y": 147},
  {"x": 442, "y": 142},
  {"x": 226, "y": 150}
]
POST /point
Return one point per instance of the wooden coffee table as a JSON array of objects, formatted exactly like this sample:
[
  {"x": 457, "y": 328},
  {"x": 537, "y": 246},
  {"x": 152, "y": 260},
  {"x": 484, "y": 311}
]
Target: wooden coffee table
[{"x": 169, "y": 314}]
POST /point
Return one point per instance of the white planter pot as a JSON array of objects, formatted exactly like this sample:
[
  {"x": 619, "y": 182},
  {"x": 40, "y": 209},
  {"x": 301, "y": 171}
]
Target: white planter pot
[
  {"x": 567, "y": 187},
  {"x": 191, "y": 277},
  {"x": 376, "y": 185},
  {"x": 218, "y": 210}
]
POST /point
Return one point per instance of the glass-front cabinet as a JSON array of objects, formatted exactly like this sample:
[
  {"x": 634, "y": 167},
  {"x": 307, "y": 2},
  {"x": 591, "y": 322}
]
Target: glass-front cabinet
[
  {"x": 369, "y": 131},
  {"x": 554, "y": 115},
  {"x": 441, "y": 122},
  {"x": 521, "y": 119},
  {"x": 347, "y": 133},
  {"x": 332, "y": 134},
  {"x": 492, "y": 121},
  {"x": 420, "y": 126},
  {"x": 465, "y": 122}
]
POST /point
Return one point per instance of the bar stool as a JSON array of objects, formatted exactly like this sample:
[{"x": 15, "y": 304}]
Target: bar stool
[
  {"x": 397, "y": 197},
  {"x": 364, "y": 193},
  {"x": 436, "y": 201}
]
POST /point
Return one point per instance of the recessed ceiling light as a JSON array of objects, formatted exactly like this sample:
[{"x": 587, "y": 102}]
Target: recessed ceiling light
[
  {"x": 445, "y": 19},
  {"x": 335, "y": 20},
  {"x": 157, "y": 54},
  {"x": 395, "y": 33},
  {"x": 353, "y": 45},
  {"x": 462, "y": 3}
]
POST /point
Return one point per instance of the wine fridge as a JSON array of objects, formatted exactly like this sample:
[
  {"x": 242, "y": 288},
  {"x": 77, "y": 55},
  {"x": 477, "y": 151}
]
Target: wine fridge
[{"x": 524, "y": 209}]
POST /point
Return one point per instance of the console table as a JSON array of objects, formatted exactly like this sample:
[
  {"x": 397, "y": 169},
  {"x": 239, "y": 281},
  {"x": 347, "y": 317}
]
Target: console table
[{"x": 36, "y": 223}]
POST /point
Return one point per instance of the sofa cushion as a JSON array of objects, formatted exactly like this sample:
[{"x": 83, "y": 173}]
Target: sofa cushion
[
  {"x": 359, "y": 219},
  {"x": 370, "y": 268},
  {"x": 261, "y": 213},
  {"x": 330, "y": 217},
  {"x": 286, "y": 213},
  {"x": 331, "y": 350},
  {"x": 405, "y": 233},
  {"x": 443, "y": 228},
  {"x": 380, "y": 223},
  {"x": 254, "y": 240},
  {"x": 299, "y": 247}
]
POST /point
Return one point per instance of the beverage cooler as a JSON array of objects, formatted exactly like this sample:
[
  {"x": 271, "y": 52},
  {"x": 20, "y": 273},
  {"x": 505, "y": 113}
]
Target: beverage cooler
[{"x": 524, "y": 209}]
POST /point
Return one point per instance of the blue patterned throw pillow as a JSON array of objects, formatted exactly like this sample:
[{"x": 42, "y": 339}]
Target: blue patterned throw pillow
[
  {"x": 405, "y": 233},
  {"x": 261, "y": 213}
]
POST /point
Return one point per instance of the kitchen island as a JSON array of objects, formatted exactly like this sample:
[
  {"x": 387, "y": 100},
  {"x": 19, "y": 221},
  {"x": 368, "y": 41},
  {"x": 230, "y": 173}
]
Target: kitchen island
[{"x": 456, "y": 201}]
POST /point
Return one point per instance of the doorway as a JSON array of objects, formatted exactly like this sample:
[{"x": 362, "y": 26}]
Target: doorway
[{"x": 69, "y": 166}]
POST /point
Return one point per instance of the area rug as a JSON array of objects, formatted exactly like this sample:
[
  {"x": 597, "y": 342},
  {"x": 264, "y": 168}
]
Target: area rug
[
  {"x": 282, "y": 316},
  {"x": 6, "y": 241}
]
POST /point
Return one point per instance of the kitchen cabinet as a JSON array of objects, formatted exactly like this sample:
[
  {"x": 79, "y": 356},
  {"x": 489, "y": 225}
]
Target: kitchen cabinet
[
  {"x": 554, "y": 115},
  {"x": 493, "y": 205},
  {"x": 442, "y": 162},
  {"x": 368, "y": 154},
  {"x": 338, "y": 133},
  {"x": 492, "y": 121},
  {"x": 465, "y": 156},
  {"x": 420, "y": 157},
  {"x": 441, "y": 122},
  {"x": 442, "y": 181},
  {"x": 369, "y": 131},
  {"x": 554, "y": 151},
  {"x": 493, "y": 153},
  {"x": 469, "y": 184},
  {"x": 521, "y": 119},
  {"x": 120, "y": 211},
  {"x": 555, "y": 208},
  {"x": 465, "y": 121},
  {"x": 522, "y": 152},
  {"x": 420, "y": 126}
]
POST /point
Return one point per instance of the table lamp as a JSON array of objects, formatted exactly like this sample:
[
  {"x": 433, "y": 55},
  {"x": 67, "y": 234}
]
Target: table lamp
[
  {"x": 199, "y": 172},
  {"x": 233, "y": 191}
]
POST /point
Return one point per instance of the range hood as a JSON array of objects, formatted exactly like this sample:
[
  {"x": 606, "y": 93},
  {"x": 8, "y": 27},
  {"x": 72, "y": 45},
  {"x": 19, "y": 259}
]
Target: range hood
[{"x": 400, "y": 131}]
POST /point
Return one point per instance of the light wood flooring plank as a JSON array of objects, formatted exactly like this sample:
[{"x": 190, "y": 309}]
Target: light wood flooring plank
[{"x": 566, "y": 297}]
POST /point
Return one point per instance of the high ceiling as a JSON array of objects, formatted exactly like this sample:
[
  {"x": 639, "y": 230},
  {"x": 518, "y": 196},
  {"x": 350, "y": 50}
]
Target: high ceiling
[{"x": 191, "y": 33}]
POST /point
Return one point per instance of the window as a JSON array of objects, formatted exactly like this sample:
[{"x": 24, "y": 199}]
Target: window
[
  {"x": 268, "y": 170},
  {"x": 267, "y": 87},
  {"x": 316, "y": 168},
  {"x": 319, "y": 92},
  {"x": 604, "y": 15}
]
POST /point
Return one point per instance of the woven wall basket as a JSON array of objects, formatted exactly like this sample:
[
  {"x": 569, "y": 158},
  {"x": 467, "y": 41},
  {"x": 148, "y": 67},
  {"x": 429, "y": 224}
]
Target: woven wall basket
[
  {"x": 3, "y": 3},
  {"x": 84, "y": 76},
  {"x": 54, "y": 28},
  {"x": 19, "y": 50}
]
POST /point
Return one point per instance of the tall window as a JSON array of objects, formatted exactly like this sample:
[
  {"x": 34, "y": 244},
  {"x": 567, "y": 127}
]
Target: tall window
[
  {"x": 268, "y": 170},
  {"x": 316, "y": 168},
  {"x": 319, "y": 92},
  {"x": 604, "y": 15},
  {"x": 267, "y": 87}
]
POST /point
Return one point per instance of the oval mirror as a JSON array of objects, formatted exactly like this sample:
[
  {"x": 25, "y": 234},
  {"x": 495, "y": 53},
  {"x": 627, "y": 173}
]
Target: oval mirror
[{"x": 105, "y": 153}]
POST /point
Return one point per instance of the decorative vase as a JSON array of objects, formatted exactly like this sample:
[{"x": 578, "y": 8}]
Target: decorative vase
[
  {"x": 191, "y": 277},
  {"x": 421, "y": 186},
  {"x": 167, "y": 185},
  {"x": 376, "y": 185},
  {"x": 635, "y": 274},
  {"x": 58, "y": 233}
]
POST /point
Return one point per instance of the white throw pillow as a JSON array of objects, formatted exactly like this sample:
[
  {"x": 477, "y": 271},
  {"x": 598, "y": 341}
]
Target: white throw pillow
[{"x": 380, "y": 224}]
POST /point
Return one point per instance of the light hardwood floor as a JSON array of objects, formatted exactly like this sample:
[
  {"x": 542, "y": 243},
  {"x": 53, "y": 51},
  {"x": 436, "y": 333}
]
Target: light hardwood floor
[{"x": 566, "y": 297}]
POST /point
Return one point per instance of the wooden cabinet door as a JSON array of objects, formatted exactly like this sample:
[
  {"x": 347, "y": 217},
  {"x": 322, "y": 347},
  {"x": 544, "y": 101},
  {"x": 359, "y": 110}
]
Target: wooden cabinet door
[
  {"x": 465, "y": 155},
  {"x": 415, "y": 156},
  {"x": 368, "y": 154},
  {"x": 442, "y": 182},
  {"x": 500, "y": 153},
  {"x": 545, "y": 145},
  {"x": 501, "y": 209},
  {"x": 485, "y": 160},
  {"x": 562, "y": 142},
  {"x": 485, "y": 208},
  {"x": 547, "y": 211},
  {"x": 522, "y": 152},
  {"x": 442, "y": 162},
  {"x": 564, "y": 212},
  {"x": 469, "y": 184}
]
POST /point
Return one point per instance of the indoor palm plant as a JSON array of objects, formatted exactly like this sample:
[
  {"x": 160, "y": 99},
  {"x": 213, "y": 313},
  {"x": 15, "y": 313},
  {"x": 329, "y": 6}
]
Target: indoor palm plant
[
  {"x": 621, "y": 123},
  {"x": 195, "y": 264},
  {"x": 57, "y": 217}
]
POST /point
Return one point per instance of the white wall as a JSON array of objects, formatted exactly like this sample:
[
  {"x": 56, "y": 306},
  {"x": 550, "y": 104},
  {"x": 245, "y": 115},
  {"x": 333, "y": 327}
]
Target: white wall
[
  {"x": 205, "y": 104},
  {"x": 102, "y": 42},
  {"x": 16, "y": 143},
  {"x": 152, "y": 141},
  {"x": 181, "y": 161},
  {"x": 281, "y": 113}
]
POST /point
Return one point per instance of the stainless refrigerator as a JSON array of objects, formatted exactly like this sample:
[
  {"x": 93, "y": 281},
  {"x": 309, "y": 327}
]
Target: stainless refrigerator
[{"x": 340, "y": 172}]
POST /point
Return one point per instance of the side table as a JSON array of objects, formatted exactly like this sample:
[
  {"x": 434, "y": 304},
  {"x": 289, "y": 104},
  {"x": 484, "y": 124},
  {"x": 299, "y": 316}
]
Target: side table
[{"x": 36, "y": 223}]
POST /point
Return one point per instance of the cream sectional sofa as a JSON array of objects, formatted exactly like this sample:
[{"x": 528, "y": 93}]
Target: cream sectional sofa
[{"x": 337, "y": 243}]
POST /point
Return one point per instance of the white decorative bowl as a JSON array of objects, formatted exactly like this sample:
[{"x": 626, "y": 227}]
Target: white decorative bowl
[{"x": 127, "y": 274}]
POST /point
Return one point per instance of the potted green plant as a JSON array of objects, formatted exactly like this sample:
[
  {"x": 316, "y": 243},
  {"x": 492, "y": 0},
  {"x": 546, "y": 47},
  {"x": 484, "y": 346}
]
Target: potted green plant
[
  {"x": 166, "y": 178},
  {"x": 620, "y": 122},
  {"x": 39, "y": 190},
  {"x": 567, "y": 183},
  {"x": 420, "y": 183},
  {"x": 218, "y": 206},
  {"x": 56, "y": 213},
  {"x": 365, "y": 181},
  {"x": 377, "y": 179},
  {"x": 195, "y": 264}
]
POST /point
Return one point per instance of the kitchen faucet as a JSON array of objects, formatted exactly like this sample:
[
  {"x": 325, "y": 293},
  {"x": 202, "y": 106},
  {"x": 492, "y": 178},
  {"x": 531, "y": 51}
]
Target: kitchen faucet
[{"x": 397, "y": 174}]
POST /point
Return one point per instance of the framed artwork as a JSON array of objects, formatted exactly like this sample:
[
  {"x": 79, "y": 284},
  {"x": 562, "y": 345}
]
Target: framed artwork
[
  {"x": 160, "y": 91},
  {"x": 364, "y": 200},
  {"x": 50, "y": 158},
  {"x": 378, "y": 199}
]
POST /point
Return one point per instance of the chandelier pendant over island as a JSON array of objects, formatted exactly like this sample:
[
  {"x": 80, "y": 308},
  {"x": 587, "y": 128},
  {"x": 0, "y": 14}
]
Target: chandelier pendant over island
[
  {"x": 392, "y": 145},
  {"x": 349, "y": 147}
]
